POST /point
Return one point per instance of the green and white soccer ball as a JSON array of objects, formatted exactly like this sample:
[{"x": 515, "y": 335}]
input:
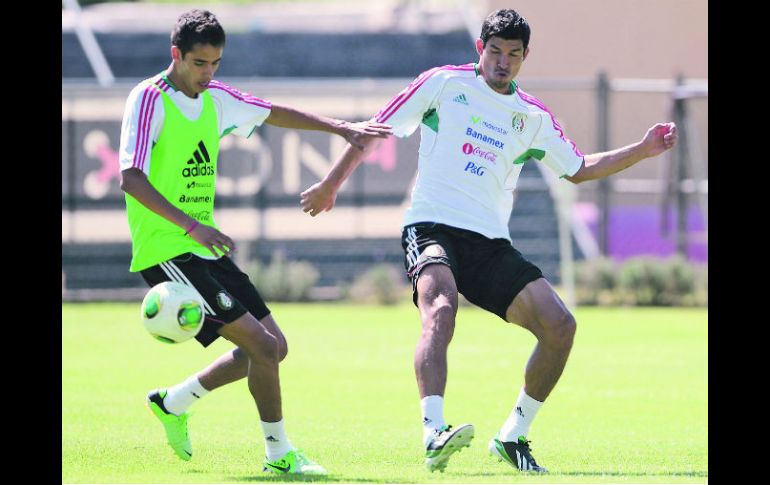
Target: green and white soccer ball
[{"x": 173, "y": 312}]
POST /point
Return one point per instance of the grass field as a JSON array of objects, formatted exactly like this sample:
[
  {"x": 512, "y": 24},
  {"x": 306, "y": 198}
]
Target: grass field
[{"x": 631, "y": 406}]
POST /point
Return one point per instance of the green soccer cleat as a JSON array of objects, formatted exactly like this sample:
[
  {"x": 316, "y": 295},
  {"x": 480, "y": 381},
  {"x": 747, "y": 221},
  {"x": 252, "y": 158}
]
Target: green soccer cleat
[
  {"x": 515, "y": 453},
  {"x": 445, "y": 442},
  {"x": 175, "y": 426},
  {"x": 293, "y": 462}
]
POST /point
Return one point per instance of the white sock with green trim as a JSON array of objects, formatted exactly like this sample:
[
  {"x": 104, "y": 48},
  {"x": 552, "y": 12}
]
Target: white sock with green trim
[
  {"x": 432, "y": 416},
  {"x": 277, "y": 443},
  {"x": 181, "y": 396},
  {"x": 520, "y": 419}
]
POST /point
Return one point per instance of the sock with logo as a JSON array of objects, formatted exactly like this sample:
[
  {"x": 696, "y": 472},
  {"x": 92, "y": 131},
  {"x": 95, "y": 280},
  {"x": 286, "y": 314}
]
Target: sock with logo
[
  {"x": 181, "y": 396},
  {"x": 277, "y": 443},
  {"x": 432, "y": 416},
  {"x": 520, "y": 419}
]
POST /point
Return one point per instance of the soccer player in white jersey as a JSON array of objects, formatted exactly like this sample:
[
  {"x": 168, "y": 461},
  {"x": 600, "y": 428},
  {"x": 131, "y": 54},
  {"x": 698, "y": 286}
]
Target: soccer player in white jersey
[
  {"x": 168, "y": 158},
  {"x": 477, "y": 130}
]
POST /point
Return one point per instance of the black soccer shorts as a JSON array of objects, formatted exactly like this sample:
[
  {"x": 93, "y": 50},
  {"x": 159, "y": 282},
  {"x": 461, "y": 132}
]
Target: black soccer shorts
[
  {"x": 488, "y": 272},
  {"x": 227, "y": 291}
]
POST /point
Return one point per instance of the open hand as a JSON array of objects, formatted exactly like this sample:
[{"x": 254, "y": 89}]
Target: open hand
[{"x": 212, "y": 238}]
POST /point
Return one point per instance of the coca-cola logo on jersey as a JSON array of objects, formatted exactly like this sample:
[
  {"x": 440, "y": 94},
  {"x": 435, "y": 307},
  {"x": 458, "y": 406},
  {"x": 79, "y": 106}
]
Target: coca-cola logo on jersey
[{"x": 469, "y": 149}]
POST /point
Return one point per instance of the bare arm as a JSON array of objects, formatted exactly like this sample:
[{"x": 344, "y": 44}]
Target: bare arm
[
  {"x": 354, "y": 133},
  {"x": 322, "y": 195},
  {"x": 134, "y": 182},
  {"x": 657, "y": 140}
]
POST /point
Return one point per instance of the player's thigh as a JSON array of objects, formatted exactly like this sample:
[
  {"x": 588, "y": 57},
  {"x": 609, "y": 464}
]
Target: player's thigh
[
  {"x": 435, "y": 285},
  {"x": 252, "y": 337},
  {"x": 538, "y": 308},
  {"x": 431, "y": 263},
  {"x": 241, "y": 287}
]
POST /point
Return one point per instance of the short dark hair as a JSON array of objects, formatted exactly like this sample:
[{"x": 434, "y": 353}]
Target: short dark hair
[
  {"x": 197, "y": 27},
  {"x": 505, "y": 23}
]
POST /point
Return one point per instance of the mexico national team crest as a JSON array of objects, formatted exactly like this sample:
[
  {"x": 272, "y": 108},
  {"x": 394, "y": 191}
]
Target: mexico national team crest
[
  {"x": 519, "y": 122},
  {"x": 224, "y": 300}
]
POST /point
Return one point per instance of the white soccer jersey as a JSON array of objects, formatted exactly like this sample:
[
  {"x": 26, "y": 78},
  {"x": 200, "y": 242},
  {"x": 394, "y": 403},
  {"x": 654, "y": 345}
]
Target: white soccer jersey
[
  {"x": 473, "y": 144},
  {"x": 237, "y": 112}
]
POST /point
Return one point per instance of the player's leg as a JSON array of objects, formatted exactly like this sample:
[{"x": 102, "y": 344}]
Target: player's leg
[
  {"x": 261, "y": 342},
  {"x": 429, "y": 255},
  {"x": 229, "y": 367},
  {"x": 499, "y": 279},
  {"x": 540, "y": 310},
  {"x": 233, "y": 365},
  {"x": 437, "y": 302},
  {"x": 261, "y": 350},
  {"x": 170, "y": 405}
]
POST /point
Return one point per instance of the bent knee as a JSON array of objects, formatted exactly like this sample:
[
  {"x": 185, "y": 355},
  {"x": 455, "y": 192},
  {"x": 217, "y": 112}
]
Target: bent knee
[
  {"x": 438, "y": 304},
  {"x": 283, "y": 348},
  {"x": 441, "y": 310},
  {"x": 560, "y": 331},
  {"x": 262, "y": 345}
]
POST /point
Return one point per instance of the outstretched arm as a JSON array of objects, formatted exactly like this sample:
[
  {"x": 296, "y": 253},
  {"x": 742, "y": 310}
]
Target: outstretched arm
[
  {"x": 354, "y": 133},
  {"x": 657, "y": 140},
  {"x": 322, "y": 195},
  {"x": 134, "y": 182}
]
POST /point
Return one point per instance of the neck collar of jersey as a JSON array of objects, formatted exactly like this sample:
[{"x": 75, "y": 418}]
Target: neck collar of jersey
[{"x": 167, "y": 80}]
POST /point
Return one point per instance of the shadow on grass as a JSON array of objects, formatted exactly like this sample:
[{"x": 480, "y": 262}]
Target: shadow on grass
[
  {"x": 639, "y": 474},
  {"x": 590, "y": 474},
  {"x": 304, "y": 478}
]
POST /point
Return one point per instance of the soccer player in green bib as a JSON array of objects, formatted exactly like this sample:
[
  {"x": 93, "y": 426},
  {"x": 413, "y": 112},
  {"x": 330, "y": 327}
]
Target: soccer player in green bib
[{"x": 169, "y": 144}]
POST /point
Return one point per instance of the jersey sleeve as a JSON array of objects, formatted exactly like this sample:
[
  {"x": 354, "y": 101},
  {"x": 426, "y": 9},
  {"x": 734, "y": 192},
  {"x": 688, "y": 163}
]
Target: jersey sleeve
[
  {"x": 405, "y": 111},
  {"x": 561, "y": 154},
  {"x": 240, "y": 113},
  {"x": 142, "y": 120}
]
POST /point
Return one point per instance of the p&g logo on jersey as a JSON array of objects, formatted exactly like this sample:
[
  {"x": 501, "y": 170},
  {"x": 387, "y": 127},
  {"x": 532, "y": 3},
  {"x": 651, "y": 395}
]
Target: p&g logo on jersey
[
  {"x": 200, "y": 163},
  {"x": 475, "y": 169}
]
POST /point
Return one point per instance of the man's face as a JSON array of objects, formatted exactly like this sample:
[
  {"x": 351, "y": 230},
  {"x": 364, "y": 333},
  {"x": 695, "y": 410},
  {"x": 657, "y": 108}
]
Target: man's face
[
  {"x": 196, "y": 69},
  {"x": 500, "y": 61}
]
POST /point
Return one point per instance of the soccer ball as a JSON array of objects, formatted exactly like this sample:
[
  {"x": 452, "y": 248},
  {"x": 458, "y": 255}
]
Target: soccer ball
[{"x": 173, "y": 312}]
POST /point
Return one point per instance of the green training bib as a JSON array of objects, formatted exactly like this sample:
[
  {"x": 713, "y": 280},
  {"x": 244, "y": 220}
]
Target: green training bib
[{"x": 183, "y": 170}]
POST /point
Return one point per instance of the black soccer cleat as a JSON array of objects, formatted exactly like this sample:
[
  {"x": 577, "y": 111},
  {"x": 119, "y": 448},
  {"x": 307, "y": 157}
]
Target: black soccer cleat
[{"x": 516, "y": 454}]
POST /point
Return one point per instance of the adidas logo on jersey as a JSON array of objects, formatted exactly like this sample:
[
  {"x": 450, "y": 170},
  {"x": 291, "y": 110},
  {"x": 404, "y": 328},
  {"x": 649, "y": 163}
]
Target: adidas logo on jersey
[{"x": 461, "y": 99}]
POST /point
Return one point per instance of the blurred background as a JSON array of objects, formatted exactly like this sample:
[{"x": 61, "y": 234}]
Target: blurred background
[{"x": 607, "y": 70}]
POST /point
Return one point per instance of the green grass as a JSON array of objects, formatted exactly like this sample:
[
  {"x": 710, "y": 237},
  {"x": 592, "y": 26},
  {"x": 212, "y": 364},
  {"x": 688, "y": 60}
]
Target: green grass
[{"x": 631, "y": 406}]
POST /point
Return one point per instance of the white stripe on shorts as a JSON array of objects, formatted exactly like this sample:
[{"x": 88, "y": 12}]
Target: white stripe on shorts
[
  {"x": 173, "y": 272},
  {"x": 412, "y": 252}
]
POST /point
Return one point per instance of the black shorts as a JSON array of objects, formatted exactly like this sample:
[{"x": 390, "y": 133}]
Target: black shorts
[
  {"x": 488, "y": 272},
  {"x": 227, "y": 291}
]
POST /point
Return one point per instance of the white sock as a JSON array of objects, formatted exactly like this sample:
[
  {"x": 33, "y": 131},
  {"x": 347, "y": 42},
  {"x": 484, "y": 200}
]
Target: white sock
[
  {"x": 520, "y": 419},
  {"x": 432, "y": 416},
  {"x": 277, "y": 443},
  {"x": 181, "y": 396}
]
